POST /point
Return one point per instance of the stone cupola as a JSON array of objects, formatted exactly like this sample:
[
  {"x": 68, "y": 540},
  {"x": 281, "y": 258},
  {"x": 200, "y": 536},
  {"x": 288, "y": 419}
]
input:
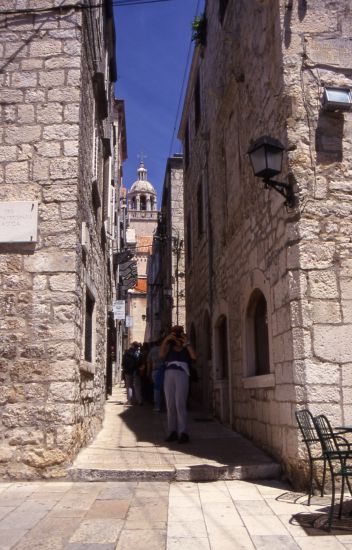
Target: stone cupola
[{"x": 142, "y": 195}]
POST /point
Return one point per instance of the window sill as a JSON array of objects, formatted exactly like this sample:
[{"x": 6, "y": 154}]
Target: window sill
[
  {"x": 262, "y": 381},
  {"x": 87, "y": 367}
]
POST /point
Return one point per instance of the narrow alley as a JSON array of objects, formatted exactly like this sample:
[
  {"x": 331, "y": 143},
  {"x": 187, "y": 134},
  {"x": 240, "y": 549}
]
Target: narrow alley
[
  {"x": 175, "y": 212},
  {"x": 122, "y": 494},
  {"x": 131, "y": 446}
]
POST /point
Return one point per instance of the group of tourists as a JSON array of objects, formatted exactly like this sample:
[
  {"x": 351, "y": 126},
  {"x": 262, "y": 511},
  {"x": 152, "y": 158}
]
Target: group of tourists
[{"x": 165, "y": 367}]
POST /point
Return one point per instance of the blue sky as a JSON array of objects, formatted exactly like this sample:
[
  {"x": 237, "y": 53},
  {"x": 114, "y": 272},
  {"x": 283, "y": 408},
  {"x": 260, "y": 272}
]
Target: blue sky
[{"x": 153, "y": 42}]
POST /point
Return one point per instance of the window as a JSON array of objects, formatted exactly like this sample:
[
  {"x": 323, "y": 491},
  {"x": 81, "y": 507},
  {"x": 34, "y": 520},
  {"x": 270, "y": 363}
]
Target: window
[
  {"x": 106, "y": 187},
  {"x": 197, "y": 105},
  {"x": 222, "y": 9},
  {"x": 95, "y": 149},
  {"x": 200, "y": 209},
  {"x": 88, "y": 328},
  {"x": 257, "y": 335},
  {"x": 222, "y": 359},
  {"x": 143, "y": 202},
  {"x": 107, "y": 71}
]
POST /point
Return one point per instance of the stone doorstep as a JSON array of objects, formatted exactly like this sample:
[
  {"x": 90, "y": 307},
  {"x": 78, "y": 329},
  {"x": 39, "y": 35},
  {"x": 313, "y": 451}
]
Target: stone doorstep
[
  {"x": 127, "y": 474},
  {"x": 205, "y": 472},
  {"x": 201, "y": 472}
]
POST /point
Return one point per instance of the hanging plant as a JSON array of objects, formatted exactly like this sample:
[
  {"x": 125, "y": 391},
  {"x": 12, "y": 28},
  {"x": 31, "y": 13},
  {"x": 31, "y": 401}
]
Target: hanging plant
[{"x": 199, "y": 30}]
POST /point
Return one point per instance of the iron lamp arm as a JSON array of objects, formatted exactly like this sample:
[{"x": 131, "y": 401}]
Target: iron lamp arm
[{"x": 284, "y": 188}]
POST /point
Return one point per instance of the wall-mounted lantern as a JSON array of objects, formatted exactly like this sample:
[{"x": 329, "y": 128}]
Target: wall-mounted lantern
[
  {"x": 266, "y": 158},
  {"x": 337, "y": 99}
]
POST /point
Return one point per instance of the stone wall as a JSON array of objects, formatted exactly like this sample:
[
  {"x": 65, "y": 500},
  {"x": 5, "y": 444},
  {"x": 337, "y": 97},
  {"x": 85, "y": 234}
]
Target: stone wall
[
  {"x": 317, "y": 53},
  {"x": 261, "y": 73},
  {"x": 175, "y": 244},
  {"x": 51, "y": 399}
]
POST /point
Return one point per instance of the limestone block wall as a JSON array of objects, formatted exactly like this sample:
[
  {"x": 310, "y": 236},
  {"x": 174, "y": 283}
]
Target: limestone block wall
[
  {"x": 50, "y": 400},
  {"x": 176, "y": 244},
  {"x": 262, "y": 73},
  {"x": 318, "y": 53}
]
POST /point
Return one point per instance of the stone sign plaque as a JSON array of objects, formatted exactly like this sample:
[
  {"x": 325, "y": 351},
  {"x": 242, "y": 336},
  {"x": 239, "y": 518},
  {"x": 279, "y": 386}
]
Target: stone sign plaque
[
  {"x": 18, "y": 222},
  {"x": 119, "y": 309},
  {"x": 336, "y": 52}
]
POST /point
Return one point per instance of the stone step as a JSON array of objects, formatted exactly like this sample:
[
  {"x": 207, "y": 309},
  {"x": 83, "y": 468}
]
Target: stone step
[
  {"x": 131, "y": 446},
  {"x": 196, "y": 472}
]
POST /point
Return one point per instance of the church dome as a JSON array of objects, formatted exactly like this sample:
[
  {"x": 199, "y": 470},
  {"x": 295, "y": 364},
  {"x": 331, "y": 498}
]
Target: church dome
[{"x": 142, "y": 185}]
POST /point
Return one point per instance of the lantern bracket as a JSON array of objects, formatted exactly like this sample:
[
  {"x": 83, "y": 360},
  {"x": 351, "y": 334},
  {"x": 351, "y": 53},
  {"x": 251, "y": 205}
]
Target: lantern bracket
[{"x": 284, "y": 188}]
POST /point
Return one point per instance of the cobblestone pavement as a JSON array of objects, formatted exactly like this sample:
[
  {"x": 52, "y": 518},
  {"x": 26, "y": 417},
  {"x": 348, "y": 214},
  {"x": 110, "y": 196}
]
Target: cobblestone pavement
[{"x": 131, "y": 515}]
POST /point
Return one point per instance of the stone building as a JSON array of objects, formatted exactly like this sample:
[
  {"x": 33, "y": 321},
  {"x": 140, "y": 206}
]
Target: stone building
[
  {"x": 166, "y": 269},
  {"x": 120, "y": 254},
  {"x": 269, "y": 287},
  {"x": 142, "y": 219},
  {"x": 57, "y": 224}
]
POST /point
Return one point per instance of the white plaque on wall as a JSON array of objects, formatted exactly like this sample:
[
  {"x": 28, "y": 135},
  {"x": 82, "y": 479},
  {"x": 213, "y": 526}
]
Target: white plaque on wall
[
  {"x": 118, "y": 307},
  {"x": 18, "y": 222}
]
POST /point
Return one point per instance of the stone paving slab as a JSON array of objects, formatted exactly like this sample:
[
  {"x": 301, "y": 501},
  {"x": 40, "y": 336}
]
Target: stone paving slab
[
  {"x": 219, "y": 515},
  {"x": 131, "y": 445}
]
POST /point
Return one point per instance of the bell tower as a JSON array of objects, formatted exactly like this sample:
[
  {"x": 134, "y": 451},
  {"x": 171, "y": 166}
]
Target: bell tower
[
  {"x": 142, "y": 204},
  {"x": 142, "y": 221}
]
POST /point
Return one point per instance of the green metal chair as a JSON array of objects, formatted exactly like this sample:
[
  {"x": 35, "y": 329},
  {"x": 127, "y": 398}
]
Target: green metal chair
[
  {"x": 338, "y": 454},
  {"x": 311, "y": 439}
]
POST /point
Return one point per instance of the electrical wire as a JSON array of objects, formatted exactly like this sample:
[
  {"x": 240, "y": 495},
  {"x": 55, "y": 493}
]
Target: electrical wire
[
  {"x": 137, "y": 2},
  {"x": 79, "y": 6},
  {"x": 185, "y": 73}
]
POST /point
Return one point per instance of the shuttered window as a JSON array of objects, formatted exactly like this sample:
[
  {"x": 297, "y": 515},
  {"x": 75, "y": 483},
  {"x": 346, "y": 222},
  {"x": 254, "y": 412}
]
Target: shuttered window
[
  {"x": 88, "y": 328},
  {"x": 106, "y": 187},
  {"x": 262, "y": 363}
]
